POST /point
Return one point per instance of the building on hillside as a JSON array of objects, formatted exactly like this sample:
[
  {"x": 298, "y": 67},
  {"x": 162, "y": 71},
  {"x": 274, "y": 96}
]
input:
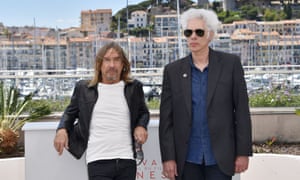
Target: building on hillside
[
  {"x": 138, "y": 19},
  {"x": 229, "y": 5}
]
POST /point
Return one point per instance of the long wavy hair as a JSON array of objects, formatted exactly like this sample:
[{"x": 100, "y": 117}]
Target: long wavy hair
[{"x": 125, "y": 75}]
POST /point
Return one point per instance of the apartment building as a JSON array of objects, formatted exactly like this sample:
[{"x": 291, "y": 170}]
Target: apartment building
[
  {"x": 166, "y": 25},
  {"x": 98, "y": 20},
  {"x": 81, "y": 53},
  {"x": 28, "y": 54},
  {"x": 138, "y": 19},
  {"x": 257, "y": 43},
  {"x": 261, "y": 43}
]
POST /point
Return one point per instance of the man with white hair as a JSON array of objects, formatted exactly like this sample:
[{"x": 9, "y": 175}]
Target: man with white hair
[{"x": 205, "y": 125}]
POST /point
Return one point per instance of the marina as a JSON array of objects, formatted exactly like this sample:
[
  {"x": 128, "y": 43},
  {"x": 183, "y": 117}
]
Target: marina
[{"x": 57, "y": 84}]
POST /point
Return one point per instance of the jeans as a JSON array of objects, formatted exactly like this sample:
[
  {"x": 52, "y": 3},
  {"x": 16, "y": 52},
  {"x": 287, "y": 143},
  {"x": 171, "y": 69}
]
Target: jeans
[
  {"x": 193, "y": 171},
  {"x": 115, "y": 169}
]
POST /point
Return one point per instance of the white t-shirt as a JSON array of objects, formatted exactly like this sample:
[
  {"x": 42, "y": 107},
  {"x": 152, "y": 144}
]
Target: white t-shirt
[{"x": 110, "y": 134}]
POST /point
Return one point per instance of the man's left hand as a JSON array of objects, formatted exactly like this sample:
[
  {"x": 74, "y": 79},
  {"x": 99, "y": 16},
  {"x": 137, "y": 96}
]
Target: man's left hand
[
  {"x": 140, "y": 134},
  {"x": 241, "y": 164}
]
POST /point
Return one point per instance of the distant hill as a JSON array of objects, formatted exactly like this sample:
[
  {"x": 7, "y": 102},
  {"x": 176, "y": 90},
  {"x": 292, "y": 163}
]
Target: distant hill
[
  {"x": 151, "y": 7},
  {"x": 245, "y": 11}
]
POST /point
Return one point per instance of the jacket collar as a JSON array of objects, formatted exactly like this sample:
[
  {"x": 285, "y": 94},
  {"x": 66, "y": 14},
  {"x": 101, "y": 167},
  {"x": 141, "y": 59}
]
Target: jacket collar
[{"x": 215, "y": 65}]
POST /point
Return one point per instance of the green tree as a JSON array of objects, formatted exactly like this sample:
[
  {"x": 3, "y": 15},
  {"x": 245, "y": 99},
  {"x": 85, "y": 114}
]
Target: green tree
[
  {"x": 249, "y": 12},
  {"x": 269, "y": 15},
  {"x": 274, "y": 15},
  {"x": 216, "y": 6},
  {"x": 288, "y": 11},
  {"x": 232, "y": 19}
]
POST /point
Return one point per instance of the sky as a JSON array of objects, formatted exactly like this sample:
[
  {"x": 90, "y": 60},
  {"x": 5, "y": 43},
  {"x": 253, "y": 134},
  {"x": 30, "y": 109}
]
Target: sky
[{"x": 53, "y": 13}]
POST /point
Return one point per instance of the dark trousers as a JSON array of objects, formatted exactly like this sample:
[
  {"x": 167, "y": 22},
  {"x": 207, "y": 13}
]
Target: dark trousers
[
  {"x": 193, "y": 171},
  {"x": 115, "y": 169}
]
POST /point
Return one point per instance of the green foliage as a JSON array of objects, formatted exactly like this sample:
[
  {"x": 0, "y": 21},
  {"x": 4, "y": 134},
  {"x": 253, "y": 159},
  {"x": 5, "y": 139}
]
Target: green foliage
[
  {"x": 297, "y": 112},
  {"x": 12, "y": 109},
  {"x": 216, "y": 6},
  {"x": 288, "y": 11},
  {"x": 231, "y": 19},
  {"x": 123, "y": 14},
  {"x": 249, "y": 12},
  {"x": 61, "y": 104},
  {"x": 274, "y": 15},
  {"x": 274, "y": 98},
  {"x": 245, "y": 12},
  {"x": 153, "y": 103},
  {"x": 271, "y": 141},
  {"x": 54, "y": 105},
  {"x": 140, "y": 31},
  {"x": 222, "y": 15},
  {"x": 229, "y": 16}
]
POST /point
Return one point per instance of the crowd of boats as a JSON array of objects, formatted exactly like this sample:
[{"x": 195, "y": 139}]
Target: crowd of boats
[{"x": 58, "y": 84}]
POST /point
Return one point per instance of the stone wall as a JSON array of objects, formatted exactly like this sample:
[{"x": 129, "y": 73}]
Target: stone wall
[{"x": 281, "y": 123}]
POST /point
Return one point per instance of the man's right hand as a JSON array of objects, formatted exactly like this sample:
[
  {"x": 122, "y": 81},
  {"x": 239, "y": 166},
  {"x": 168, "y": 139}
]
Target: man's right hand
[
  {"x": 170, "y": 169},
  {"x": 61, "y": 141}
]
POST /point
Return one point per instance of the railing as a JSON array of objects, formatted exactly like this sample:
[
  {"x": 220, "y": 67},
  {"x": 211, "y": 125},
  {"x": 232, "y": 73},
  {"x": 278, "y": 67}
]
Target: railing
[{"x": 48, "y": 84}]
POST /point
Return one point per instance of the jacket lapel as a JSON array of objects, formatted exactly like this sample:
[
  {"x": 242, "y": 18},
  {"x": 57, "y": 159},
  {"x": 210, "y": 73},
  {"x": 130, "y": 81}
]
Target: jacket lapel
[
  {"x": 214, "y": 71},
  {"x": 128, "y": 92},
  {"x": 185, "y": 82}
]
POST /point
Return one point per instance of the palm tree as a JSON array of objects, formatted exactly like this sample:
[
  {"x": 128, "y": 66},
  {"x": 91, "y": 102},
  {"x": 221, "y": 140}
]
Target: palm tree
[{"x": 14, "y": 113}]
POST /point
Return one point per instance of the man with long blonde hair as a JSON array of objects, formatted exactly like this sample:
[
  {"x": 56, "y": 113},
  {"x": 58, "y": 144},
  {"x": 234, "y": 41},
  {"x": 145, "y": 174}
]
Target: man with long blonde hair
[{"x": 106, "y": 117}]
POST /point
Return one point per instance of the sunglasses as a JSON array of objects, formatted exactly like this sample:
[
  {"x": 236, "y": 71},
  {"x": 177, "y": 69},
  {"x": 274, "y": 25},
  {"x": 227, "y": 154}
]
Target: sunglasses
[
  {"x": 189, "y": 32},
  {"x": 139, "y": 153}
]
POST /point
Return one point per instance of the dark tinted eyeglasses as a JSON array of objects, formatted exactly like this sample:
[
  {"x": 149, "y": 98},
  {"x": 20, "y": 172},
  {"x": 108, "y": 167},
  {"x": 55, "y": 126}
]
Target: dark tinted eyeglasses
[
  {"x": 189, "y": 32},
  {"x": 139, "y": 153}
]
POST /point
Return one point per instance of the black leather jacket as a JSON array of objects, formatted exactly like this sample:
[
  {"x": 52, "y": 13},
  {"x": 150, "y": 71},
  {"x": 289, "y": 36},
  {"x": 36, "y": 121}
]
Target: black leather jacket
[{"x": 77, "y": 116}]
